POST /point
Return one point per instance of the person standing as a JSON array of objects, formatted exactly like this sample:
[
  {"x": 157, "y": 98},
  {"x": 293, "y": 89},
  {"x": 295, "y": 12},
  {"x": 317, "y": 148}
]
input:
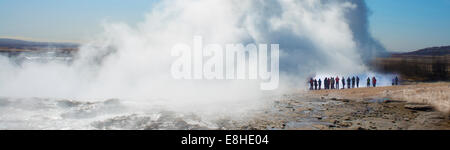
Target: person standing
[
  {"x": 315, "y": 84},
  {"x": 368, "y": 81},
  {"x": 353, "y": 82},
  {"x": 348, "y": 82},
  {"x": 320, "y": 84},
  {"x": 325, "y": 83},
  {"x": 357, "y": 82},
  {"x": 393, "y": 81},
  {"x": 328, "y": 83},
  {"x": 332, "y": 83},
  {"x": 311, "y": 84},
  {"x": 337, "y": 83},
  {"x": 343, "y": 82},
  {"x": 396, "y": 80},
  {"x": 374, "y": 82}
]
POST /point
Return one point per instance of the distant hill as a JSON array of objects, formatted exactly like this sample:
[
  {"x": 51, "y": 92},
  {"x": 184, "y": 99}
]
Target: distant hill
[
  {"x": 431, "y": 51},
  {"x": 428, "y": 64},
  {"x": 21, "y": 44}
]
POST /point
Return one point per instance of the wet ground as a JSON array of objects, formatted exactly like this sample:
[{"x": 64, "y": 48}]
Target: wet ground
[
  {"x": 111, "y": 114},
  {"x": 324, "y": 110}
]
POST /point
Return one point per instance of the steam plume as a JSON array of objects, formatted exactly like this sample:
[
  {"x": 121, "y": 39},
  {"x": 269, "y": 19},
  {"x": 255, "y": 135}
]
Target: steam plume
[{"x": 134, "y": 62}]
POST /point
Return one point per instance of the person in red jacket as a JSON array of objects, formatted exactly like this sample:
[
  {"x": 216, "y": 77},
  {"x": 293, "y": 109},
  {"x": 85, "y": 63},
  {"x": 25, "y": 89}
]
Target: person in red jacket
[
  {"x": 374, "y": 82},
  {"x": 337, "y": 83}
]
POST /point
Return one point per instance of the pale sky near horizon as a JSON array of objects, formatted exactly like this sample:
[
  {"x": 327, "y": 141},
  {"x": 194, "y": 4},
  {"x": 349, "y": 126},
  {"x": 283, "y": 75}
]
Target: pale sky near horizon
[{"x": 400, "y": 25}]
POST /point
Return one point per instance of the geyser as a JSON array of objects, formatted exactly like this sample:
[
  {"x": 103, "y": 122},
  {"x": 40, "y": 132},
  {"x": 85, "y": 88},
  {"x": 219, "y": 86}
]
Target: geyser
[
  {"x": 191, "y": 64},
  {"x": 134, "y": 63}
]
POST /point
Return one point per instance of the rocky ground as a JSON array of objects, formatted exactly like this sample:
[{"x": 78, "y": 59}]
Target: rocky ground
[
  {"x": 383, "y": 108},
  {"x": 410, "y": 107}
]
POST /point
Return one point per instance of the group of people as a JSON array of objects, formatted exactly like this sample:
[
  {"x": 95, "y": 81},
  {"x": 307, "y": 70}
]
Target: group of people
[
  {"x": 395, "y": 81},
  {"x": 333, "y": 83}
]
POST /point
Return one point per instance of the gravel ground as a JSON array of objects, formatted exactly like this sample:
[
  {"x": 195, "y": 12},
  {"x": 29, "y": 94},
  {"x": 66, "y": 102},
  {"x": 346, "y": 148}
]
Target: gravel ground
[{"x": 383, "y": 108}]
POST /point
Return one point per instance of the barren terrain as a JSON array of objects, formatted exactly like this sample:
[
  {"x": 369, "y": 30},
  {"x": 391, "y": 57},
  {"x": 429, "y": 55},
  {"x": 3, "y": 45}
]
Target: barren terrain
[{"x": 421, "y": 106}]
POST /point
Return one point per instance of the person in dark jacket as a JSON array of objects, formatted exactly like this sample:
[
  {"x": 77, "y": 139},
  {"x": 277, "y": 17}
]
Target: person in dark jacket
[
  {"x": 353, "y": 82},
  {"x": 357, "y": 82},
  {"x": 396, "y": 80},
  {"x": 320, "y": 84},
  {"x": 328, "y": 83},
  {"x": 325, "y": 83},
  {"x": 368, "y": 81},
  {"x": 315, "y": 84},
  {"x": 343, "y": 82},
  {"x": 332, "y": 83},
  {"x": 311, "y": 84}
]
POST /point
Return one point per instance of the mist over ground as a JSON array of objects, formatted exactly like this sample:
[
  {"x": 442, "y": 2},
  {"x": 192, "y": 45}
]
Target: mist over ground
[{"x": 132, "y": 62}]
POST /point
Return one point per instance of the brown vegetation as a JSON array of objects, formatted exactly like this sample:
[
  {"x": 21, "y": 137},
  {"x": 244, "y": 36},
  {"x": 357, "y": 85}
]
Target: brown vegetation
[{"x": 416, "y": 68}]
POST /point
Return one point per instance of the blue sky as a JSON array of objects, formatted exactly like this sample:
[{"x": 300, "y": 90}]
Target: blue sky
[
  {"x": 400, "y": 25},
  {"x": 66, "y": 20},
  {"x": 403, "y": 25}
]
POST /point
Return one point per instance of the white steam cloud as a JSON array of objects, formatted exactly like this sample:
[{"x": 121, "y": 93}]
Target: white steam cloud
[{"x": 134, "y": 61}]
